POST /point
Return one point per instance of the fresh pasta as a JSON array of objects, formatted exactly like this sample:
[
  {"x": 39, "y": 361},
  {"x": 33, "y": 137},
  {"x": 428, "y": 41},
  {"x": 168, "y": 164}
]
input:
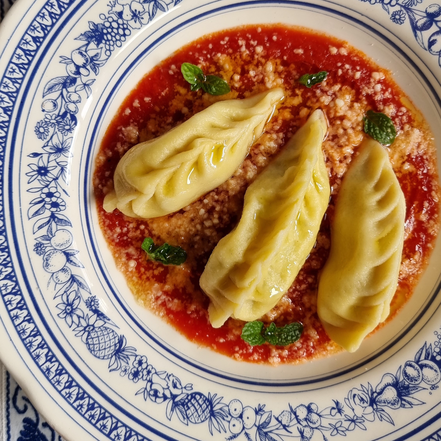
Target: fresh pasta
[
  {"x": 360, "y": 276},
  {"x": 163, "y": 175},
  {"x": 253, "y": 59},
  {"x": 252, "y": 267}
]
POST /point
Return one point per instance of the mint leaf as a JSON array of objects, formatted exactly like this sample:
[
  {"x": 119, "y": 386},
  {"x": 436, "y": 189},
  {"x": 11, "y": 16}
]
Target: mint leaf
[
  {"x": 215, "y": 85},
  {"x": 255, "y": 334},
  {"x": 289, "y": 334},
  {"x": 270, "y": 334},
  {"x": 310, "y": 80},
  {"x": 165, "y": 254},
  {"x": 208, "y": 83},
  {"x": 196, "y": 86},
  {"x": 252, "y": 333},
  {"x": 380, "y": 127},
  {"x": 192, "y": 74}
]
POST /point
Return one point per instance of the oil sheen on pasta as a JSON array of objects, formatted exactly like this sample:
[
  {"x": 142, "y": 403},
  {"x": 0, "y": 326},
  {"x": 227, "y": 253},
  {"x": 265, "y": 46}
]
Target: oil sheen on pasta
[{"x": 254, "y": 59}]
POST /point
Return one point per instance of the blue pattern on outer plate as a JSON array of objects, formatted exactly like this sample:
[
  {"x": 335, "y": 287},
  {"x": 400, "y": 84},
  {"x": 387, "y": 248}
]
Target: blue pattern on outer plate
[
  {"x": 48, "y": 175},
  {"x": 425, "y": 23},
  {"x": 23, "y": 422}
]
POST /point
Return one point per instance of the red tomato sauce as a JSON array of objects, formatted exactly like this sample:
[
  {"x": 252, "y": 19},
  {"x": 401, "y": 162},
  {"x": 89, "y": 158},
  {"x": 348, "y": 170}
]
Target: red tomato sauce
[{"x": 252, "y": 59}]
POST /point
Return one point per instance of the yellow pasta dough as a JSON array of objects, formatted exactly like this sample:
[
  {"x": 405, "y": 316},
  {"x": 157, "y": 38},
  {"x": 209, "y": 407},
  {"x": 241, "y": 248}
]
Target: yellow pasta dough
[
  {"x": 360, "y": 276},
  {"x": 163, "y": 175},
  {"x": 252, "y": 267}
]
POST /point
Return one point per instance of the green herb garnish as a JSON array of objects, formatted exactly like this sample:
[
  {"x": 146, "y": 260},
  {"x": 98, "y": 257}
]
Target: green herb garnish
[
  {"x": 255, "y": 334},
  {"x": 380, "y": 127},
  {"x": 166, "y": 254},
  {"x": 310, "y": 80},
  {"x": 208, "y": 83},
  {"x": 252, "y": 333}
]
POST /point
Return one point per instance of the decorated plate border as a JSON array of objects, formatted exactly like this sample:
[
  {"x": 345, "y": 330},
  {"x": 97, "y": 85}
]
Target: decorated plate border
[{"x": 47, "y": 178}]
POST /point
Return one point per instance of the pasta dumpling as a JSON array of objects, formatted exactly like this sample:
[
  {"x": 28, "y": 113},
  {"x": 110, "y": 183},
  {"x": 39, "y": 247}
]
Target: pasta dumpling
[
  {"x": 163, "y": 175},
  {"x": 252, "y": 267},
  {"x": 360, "y": 276}
]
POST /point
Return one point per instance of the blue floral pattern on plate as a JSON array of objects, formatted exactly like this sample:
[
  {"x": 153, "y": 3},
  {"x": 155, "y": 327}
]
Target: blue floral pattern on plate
[
  {"x": 48, "y": 178},
  {"x": 23, "y": 422},
  {"x": 425, "y": 23}
]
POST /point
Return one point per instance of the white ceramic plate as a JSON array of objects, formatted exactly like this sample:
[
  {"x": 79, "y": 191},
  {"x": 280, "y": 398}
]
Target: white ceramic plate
[{"x": 96, "y": 364}]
